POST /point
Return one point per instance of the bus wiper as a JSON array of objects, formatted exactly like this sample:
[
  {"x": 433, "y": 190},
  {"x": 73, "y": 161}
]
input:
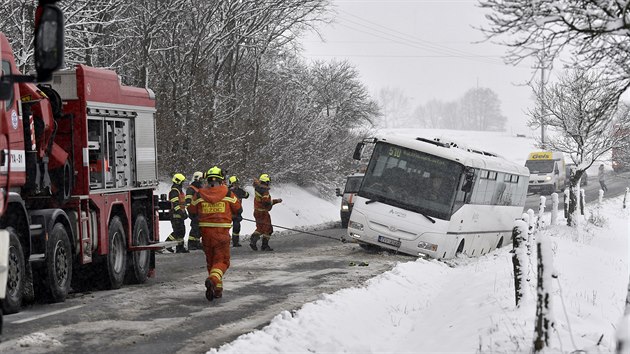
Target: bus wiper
[
  {"x": 432, "y": 220},
  {"x": 371, "y": 201}
]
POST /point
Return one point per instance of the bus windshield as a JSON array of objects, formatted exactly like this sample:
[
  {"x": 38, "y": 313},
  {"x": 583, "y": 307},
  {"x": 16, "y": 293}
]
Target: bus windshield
[
  {"x": 539, "y": 166},
  {"x": 411, "y": 180},
  {"x": 353, "y": 184}
]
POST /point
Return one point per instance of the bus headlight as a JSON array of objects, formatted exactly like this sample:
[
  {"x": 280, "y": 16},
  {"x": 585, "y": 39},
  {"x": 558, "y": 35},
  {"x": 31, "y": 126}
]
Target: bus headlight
[
  {"x": 548, "y": 178},
  {"x": 427, "y": 246},
  {"x": 355, "y": 225}
]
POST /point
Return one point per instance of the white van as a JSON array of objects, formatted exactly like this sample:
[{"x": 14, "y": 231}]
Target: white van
[
  {"x": 548, "y": 172},
  {"x": 353, "y": 182}
]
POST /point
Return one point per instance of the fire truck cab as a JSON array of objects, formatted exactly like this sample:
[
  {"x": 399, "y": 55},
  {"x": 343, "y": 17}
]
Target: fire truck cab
[{"x": 81, "y": 171}]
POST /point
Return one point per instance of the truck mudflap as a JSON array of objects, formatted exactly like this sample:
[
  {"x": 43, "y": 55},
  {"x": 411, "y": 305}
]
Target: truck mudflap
[{"x": 154, "y": 246}]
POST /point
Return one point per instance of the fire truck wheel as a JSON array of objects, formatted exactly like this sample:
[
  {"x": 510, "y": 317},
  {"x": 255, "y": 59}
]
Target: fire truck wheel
[
  {"x": 139, "y": 268},
  {"x": 116, "y": 260},
  {"x": 58, "y": 273},
  {"x": 17, "y": 275}
]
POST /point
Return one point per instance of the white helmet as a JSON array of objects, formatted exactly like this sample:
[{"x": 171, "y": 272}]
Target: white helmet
[{"x": 197, "y": 176}]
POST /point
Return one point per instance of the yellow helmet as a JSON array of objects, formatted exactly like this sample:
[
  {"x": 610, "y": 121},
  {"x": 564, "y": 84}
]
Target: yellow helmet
[
  {"x": 233, "y": 179},
  {"x": 178, "y": 178},
  {"x": 197, "y": 175},
  {"x": 264, "y": 178},
  {"x": 214, "y": 172}
]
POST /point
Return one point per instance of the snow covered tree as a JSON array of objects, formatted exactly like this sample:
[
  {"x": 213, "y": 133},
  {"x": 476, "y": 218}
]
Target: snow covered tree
[
  {"x": 481, "y": 110},
  {"x": 394, "y": 106},
  {"x": 595, "y": 33},
  {"x": 583, "y": 116}
]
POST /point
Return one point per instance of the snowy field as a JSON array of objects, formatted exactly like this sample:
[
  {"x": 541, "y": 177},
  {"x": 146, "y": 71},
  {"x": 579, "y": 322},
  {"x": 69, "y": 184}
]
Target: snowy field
[{"x": 464, "y": 306}]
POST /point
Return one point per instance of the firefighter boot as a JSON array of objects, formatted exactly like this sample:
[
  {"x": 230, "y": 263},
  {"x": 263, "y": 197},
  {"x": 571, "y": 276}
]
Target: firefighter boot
[
  {"x": 265, "y": 244},
  {"x": 209, "y": 290},
  {"x": 253, "y": 240},
  {"x": 236, "y": 240}
]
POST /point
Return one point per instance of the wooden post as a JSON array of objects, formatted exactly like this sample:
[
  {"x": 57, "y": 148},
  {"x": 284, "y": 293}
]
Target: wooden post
[
  {"x": 544, "y": 316},
  {"x": 566, "y": 203},
  {"x": 554, "y": 208},
  {"x": 625, "y": 197},
  {"x": 519, "y": 258},
  {"x": 540, "y": 223}
]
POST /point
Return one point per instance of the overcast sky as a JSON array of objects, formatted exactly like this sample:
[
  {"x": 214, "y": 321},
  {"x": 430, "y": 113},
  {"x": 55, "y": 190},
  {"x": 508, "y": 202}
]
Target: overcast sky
[{"x": 426, "y": 48}]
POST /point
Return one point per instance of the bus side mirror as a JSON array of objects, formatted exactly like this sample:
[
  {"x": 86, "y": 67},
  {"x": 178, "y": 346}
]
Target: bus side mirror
[
  {"x": 338, "y": 192},
  {"x": 358, "y": 150},
  {"x": 48, "y": 41},
  {"x": 468, "y": 182}
]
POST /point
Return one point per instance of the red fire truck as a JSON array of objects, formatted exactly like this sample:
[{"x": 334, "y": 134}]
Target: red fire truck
[{"x": 79, "y": 162}]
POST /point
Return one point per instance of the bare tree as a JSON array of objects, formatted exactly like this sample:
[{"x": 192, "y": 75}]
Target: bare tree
[
  {"x": 394, "y": 105},
  {"x": 480, "y": 109},
  {"x": 596, "y": 33},
  {"x": 584, "y": 118}
]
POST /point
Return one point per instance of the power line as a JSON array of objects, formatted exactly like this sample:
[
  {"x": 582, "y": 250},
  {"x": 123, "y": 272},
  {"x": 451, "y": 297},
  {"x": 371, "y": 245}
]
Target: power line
[{"x": 413, "y": 40}]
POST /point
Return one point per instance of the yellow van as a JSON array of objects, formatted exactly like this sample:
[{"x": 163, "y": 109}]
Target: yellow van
[{"x": 548, "y": 172}]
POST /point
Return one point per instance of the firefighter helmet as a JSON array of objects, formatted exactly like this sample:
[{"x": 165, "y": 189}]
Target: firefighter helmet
[
  {"x": 178, "y": 178},
  {"x": 264, "y": 178},
  {"x": 197, "y": 175},
  {"x": 214, "y": 172},
  {"x": 233, "y": 179}
]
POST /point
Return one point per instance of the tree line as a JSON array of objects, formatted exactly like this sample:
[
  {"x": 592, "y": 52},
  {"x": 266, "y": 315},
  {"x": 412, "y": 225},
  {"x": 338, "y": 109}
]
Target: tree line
[
  {"x": 477, "y": 109},
  {"x": 231, "y": 86}
]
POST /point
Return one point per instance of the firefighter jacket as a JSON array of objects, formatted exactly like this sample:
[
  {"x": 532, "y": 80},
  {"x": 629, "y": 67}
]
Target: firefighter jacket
[
  {"x": 262, "y": 199},
  {"x": 214, "y": 206},
  {"x": 191, "y": 190},
  {"x": 178, "y": 200}
]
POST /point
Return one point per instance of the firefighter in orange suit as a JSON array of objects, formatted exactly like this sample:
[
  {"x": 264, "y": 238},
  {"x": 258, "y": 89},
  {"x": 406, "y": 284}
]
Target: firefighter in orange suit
[
  {"x": 178, "y": 212},
  {"x": 214, "y": 205},
  {"x": 262, "y": 205}
]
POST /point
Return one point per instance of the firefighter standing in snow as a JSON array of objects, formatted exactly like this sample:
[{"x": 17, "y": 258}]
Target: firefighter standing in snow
[
  {"x": 178, "y": 212},
  {"x": 235, "y": 187},
  {"x": 262, "y": 205},
  {"x": 215, "y": 205},
  {"x": 193, "y": 236}
]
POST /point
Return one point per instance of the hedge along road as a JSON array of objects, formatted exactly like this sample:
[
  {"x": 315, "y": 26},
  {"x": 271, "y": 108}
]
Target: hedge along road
[{"x": 170, "y": 313}]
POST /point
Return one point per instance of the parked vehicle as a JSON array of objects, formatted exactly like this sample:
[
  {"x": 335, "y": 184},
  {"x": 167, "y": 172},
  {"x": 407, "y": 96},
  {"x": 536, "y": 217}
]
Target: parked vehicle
[
  {"x": 49, "y": 52},
  {"x": 548, "y": 171},
  {"x": 81, "y": 172},
  {"x": 430, "y": 198},
  {"x": 621, "y": 153},
  {"x": 353, "y": 182},
  {"x": 583, "y": 180}
]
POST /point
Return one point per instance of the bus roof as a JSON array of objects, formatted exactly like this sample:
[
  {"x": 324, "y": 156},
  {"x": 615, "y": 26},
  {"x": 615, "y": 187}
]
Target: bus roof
[{"x": 465, "y": 155}]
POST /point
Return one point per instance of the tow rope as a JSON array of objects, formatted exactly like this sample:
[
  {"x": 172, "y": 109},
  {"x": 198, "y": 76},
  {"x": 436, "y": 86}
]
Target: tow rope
[{"x": 296, "y": 230}]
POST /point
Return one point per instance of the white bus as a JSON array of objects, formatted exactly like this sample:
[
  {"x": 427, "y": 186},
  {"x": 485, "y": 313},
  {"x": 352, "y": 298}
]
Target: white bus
[{"x": 430, "y": 198}]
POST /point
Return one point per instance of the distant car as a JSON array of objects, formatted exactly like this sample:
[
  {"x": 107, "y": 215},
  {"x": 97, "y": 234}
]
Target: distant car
[
  {"x": 583, "y": 181},
  {"x": 353, "y": 182}
]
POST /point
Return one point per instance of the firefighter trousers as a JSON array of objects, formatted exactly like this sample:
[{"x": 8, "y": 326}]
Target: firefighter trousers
[
  {"x": 216, "y": 246},
  {"x": 263, "y": 222}
]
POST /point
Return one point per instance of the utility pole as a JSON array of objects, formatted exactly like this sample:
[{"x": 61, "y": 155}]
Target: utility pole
[{"x": 543, "y": 127}]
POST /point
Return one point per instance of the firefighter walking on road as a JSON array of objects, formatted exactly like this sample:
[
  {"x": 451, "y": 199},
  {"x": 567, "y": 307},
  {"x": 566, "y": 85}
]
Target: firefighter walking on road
[
  {"x": 240, "y": 193},
  {"x": 262, "y": 205},
  {"x": 194, "y": 242},
  {"x": 178, "y": 213},
  {"x": 215, "y": 205}
]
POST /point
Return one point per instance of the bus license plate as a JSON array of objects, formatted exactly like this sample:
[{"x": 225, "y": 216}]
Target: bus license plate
[{"x": 389, "y": 241}]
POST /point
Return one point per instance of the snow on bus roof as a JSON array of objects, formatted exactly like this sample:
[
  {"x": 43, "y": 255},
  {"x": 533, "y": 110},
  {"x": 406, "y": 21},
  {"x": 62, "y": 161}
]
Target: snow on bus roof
[{"x": 454, "y": 151}]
